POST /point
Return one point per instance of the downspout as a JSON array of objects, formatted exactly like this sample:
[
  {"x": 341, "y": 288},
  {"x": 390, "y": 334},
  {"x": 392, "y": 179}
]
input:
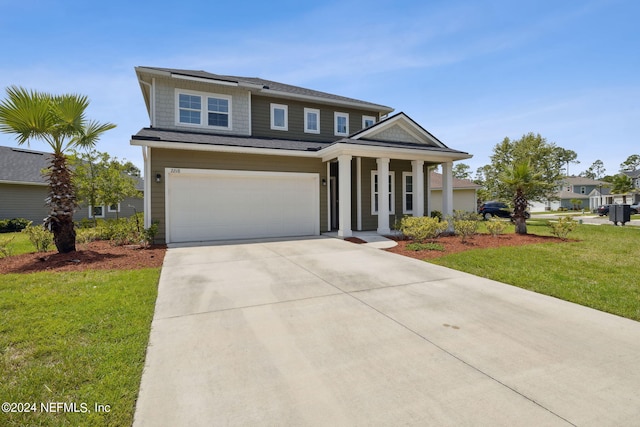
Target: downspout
[{"x": 152, "y": 100}]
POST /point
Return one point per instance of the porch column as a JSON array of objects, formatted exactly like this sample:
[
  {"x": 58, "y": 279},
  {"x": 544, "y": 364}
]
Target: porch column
[
  {"x": 447, "y": 189},
  {"x": 428, "y": 192},
  {"x": 383, "y": 196},
  {"x": 344, "y": 196},
  {"x": 417, "y": 167}
]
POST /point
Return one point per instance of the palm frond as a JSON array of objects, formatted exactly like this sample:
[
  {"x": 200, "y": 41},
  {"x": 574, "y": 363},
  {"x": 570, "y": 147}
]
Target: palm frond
[
  {"x": 26, "y": 114},
  {"x": 89, "y": 134}
]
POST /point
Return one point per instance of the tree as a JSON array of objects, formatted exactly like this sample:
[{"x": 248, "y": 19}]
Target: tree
[
  {"x": 622, "y": 184},
  {"x": 59, "y": 121},
  {"x": 461, "y": 171},
  {"x": 542, "y": 158},
  {"x": 521, "y": 180},
  {"x": 632, "y": 163},
  {"x": 566, "y": 157},
  {"x": 595, "y": 171},
  {"x": 102, "y": 180}
]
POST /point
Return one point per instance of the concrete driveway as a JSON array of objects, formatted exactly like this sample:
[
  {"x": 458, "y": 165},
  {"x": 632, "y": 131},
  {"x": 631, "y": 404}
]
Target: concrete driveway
[{"x": 324, "y": 332}]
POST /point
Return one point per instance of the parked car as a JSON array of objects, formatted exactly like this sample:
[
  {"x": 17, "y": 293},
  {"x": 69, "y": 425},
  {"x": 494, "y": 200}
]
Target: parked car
[
  {"x": 604, "y": 209},
  {"x": 501, "y": 210}
]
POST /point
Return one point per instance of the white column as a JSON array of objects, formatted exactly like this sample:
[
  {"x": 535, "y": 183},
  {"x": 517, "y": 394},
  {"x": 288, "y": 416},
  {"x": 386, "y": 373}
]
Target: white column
[
  {"x": 344, "y": 188},
  {"x": 428, "y": 191},
  {"x": 383, "y": 196},
  {"x": 447, "y": 189},
  {"x": 359, "y": 193},
  {"x": 417, "y": 167}
]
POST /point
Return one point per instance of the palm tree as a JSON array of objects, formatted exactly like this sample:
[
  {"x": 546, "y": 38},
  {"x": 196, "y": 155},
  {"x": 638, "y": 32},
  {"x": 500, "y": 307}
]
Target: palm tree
[
  {"x": 58, "y": 120},
  {"x": 521, "y": 180},
  {"x": 622, "y": 184}
]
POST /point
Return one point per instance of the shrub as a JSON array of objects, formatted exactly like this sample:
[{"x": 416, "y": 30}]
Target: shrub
[
  {"x": 436, "y": 214},
  {"x": 563, "y": 227},
  {"x": 13, "y": 225},
  {"x": 465, "y": 228},
  {"x": 431, "y": 246},
  {"x": 39, "y": 236},
  {"x": 496, "y": 227},
  {"x": 422, "y": 228},
  {"x": 5, "y": 250},
  {"x": 86, "y": 235},
  {"x": 149, "y": 234}
]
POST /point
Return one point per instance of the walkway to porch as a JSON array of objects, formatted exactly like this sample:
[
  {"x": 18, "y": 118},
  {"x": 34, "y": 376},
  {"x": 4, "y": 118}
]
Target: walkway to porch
[{"x": 372, "y": 238}]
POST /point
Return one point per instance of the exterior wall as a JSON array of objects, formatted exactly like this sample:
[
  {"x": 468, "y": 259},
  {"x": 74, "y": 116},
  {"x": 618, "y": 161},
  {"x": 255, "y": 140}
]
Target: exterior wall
[
  {"x": 165, "y": 105},
  {"x": 463, "y": 200},
  {"x": 23, "y": 201},
  {"x": 261, "y": 119},
  {"x": 128, "y": 207},
  {"x": 164, "y": 158}
]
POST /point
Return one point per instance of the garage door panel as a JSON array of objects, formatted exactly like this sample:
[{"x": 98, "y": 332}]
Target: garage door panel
[{"x": 219, "y": 205}]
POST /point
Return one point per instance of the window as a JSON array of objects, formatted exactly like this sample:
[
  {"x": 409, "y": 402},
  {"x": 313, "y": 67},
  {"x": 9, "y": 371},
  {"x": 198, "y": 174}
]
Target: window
[
  {"x": 374, "y": 193},
  {"x": 311, "y": 120},
  {"x": 204, "y": 110},
  {"x": 96, "y": 211},
  {"x": 279, "y": 117},
  {"x": 407, "y": 192},
  {"x": 114, "y": 208},
  {"x": 368, "y": 121},
  {"x": 341, "y": 124}
]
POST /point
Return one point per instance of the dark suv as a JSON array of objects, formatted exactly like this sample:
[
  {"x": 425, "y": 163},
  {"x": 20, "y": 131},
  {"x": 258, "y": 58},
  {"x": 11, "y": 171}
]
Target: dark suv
[{"x": 499, "y": 209}]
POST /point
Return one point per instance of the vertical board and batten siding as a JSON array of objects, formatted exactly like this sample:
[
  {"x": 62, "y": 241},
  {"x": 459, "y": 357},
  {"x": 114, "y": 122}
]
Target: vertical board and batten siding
[
  {"x": 165, "y": 105},
  {"x": 261, "y": 119},
  {"x": 164, "y": 158}
]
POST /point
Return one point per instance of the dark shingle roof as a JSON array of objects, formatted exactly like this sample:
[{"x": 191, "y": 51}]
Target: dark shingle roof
[
  {"x": 273, "y": 86},
  {"x": 23, "y": 165},
  {"x": 166, "y": 135}
]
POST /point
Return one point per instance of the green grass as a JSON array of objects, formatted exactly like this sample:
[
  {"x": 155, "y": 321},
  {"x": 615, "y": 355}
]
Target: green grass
[
  {"x": 77, "y": 338},
  {"x": 17, "y": 243},
  {"x": 599, "y": 270}
]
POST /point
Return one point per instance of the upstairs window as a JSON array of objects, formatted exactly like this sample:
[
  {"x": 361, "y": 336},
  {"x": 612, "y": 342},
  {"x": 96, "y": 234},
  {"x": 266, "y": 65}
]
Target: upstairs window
[
  {"x": 311, "y": 120},
  {"x": 279, "y": 117},
  {"x": 341, "y": 124},
  {"x": 368, "y": 121},
  {"x": 204, "y": 110}
]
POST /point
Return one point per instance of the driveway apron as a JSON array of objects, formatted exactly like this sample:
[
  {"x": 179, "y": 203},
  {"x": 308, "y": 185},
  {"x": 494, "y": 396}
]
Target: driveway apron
[{"x": 319, "y": 331}]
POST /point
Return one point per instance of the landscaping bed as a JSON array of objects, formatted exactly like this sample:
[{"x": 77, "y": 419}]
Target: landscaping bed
[
  {"x": 454, "y": 244},
  {"x": 97, "y": 255}
]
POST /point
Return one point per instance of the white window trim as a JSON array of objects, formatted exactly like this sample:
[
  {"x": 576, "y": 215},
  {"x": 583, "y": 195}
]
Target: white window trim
[
  {"x": 286, "y": 116},
  {"x": 204, "y": 119},
  {"x": 392, "y": 196},
  {"x": 405, "y": 193},
  {"x": 365, "y": 118},
  {"x": 96, "y": 216},
  {"x": 113, "y": 210},
  {"x": 335, "y": 123},
  {"x": 308, "y": 111}
]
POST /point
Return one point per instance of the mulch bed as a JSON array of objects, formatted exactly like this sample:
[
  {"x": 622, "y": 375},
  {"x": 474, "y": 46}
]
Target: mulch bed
[
  {"x": 98, "y": 255},
  {"x": 453, "y": 244}
]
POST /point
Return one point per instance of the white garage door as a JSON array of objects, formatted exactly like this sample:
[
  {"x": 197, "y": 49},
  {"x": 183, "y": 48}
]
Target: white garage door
[{"x": 219, "y": 204}]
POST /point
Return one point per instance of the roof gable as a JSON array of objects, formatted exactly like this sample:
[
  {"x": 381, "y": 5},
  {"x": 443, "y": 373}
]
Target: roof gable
[{"x": 398, "y": 128}]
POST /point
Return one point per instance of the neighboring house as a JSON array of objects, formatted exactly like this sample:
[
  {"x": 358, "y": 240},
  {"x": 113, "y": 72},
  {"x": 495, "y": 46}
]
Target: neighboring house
[
  {"x": 570, "y": 189},
  {"x": 465, "y": 193},
  {"x": 239, "y": 157},
  {"x": 23, "y": 189}
]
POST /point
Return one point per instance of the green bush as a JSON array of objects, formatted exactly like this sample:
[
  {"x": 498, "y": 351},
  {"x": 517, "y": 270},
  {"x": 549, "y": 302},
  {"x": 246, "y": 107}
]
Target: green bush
[
  {"x": 87, "y": 235},
  {"x": 422, "y": 227},
  {"x": 563, "y": 227},
  {"x": 13, "y": 225},
  {"x": 465, "y": 228},
  {"x": 495, "y": 226},
  {"x": 39, "y": 236},
  {"x": 5, "y": 250},
  {"x": 430, "y": 246},
  {"x": 436, "y": 214}
]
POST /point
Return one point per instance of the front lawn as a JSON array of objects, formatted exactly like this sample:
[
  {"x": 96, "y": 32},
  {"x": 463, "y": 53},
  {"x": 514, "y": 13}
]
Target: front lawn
[
  {"x": 15, "y": 243},
  {"x": 71, "y": 341},
  {"x": 599, "y": 270}
]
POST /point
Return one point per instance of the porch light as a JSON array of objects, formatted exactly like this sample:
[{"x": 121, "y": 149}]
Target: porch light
[{"x": 158, "y": 177}]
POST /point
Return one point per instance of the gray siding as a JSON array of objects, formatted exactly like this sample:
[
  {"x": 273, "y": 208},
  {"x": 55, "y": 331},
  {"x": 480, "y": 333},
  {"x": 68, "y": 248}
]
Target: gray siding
[
  {"x": 128, "y": 207},
  {"x": 165, "y": 105},
  {"x": 261, "y": 119},
  {"x": 163, "y": 158},
  {"x": 23, "y": 201}
]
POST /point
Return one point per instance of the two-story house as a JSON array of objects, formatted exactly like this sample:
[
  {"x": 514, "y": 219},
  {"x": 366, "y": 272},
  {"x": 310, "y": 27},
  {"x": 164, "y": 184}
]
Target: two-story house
[
  {"x": 573, "y": 189},
  {"x": 236, "y": 157}
]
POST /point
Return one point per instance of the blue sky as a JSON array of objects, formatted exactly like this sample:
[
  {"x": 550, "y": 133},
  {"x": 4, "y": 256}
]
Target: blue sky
[{"x": 471, "y": 72}]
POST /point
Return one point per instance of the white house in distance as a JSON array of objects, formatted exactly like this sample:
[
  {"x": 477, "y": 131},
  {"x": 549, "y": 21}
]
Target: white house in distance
[
  {"x": 231, "y": 157},
  {"x": 573, "y": 188}
]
